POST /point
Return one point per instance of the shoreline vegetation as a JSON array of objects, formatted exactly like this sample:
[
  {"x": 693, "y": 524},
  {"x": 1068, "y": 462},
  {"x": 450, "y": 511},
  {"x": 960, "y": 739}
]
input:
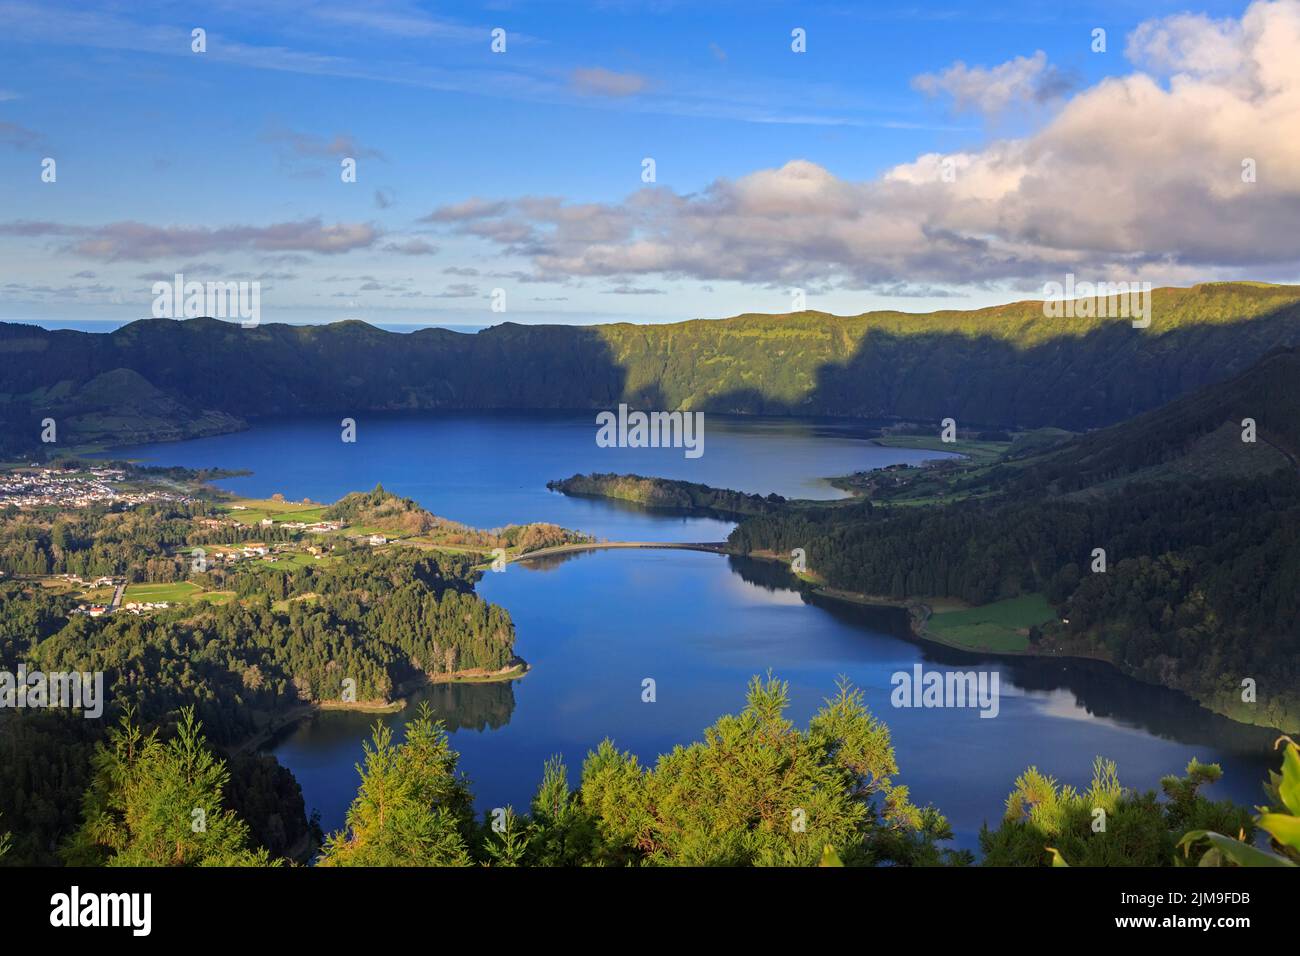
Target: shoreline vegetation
[
  {"x": 280, "y": 724},
  {"x": 1005, "y": 549},
  {"x": 921, "y": 614},
  {"x": 1166, "y": 545},
  {"x": 249, "y": 614},
  {"x": 295, "y": 600},
  {"x": 664, "y": 494}
]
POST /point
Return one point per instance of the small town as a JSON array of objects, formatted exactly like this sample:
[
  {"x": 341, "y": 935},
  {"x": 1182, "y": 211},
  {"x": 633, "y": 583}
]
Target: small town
[{"x": 40, "y": 487}]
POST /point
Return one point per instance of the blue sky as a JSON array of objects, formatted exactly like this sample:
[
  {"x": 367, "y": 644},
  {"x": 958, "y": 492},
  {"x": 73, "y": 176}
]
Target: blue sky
[{"x": 522, "y": 170}]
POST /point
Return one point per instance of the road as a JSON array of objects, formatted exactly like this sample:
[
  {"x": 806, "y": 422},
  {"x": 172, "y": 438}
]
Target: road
[{"x": 715, "y": 547}]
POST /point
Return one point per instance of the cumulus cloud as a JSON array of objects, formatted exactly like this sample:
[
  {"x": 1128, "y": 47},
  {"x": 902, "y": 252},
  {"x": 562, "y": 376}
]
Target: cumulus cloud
[
  {"x": 994, "y": 89},
  {"x": 1140, "y": 176},
  {"x": 598, "y": 81},
  {"x": 1193, "y": 44},
  {"x": 139, "y": 242}
]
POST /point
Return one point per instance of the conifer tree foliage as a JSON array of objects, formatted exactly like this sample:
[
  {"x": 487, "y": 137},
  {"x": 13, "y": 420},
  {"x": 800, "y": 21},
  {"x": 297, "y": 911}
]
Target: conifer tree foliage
[
  {"x": 159, "y": 804},
  {"x": 755, "y": 792},
  {"x": 558, "y": 830},
  {"x": 412, "y": 808},
  {"x": 759, "y": 791},
  {"x": 1047, "y": 824}
]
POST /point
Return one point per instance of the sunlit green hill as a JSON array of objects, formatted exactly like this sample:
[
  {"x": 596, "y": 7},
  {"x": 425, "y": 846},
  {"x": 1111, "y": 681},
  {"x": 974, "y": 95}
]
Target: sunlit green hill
[{"x": 1008, "y": 365}]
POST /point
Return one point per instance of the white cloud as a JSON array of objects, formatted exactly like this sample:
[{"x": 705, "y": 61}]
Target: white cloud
[
  {"x": 1189, "y": 43},
  {"x": 1134, "y": 176},
  {"x": 140, "y": 242},
  {"x": 994, "y": 89}
]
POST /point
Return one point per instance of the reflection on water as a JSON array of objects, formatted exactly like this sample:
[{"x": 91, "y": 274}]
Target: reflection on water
[
  {"x": 594, "y": 624},
  {"x": 484, "y": 706},
  {"x": 470, "y": 706},
  {"x": 1096, "y": 689},
  {"x": 552, "y": 562}
]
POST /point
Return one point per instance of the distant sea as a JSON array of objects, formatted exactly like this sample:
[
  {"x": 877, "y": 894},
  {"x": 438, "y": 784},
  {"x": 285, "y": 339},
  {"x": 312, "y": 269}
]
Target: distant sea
[{"x": 110, "y": 325}]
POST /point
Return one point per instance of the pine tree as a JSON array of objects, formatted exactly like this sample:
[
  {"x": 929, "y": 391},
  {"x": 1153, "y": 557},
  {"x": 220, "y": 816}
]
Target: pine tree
[
  {"x": 758, "y": 791},
  {"x": 560, "y": 832},
  {"x": 506, "y": 844},
  {"x": 412, "y": 808},
  {"x": 156, "y": 804}
]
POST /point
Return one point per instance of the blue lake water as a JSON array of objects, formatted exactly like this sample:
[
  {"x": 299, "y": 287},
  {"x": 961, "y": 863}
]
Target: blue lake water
[
  {"x": 594, "y": 625},
  {"x": 490, "y": 469}
]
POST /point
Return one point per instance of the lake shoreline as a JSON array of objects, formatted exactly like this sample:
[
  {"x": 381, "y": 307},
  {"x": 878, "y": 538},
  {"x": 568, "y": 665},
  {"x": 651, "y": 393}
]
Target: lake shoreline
[
  {"x": 295, "y": 715},
  {"x": 919, "y": 612},
  {"x": 700, "y": 627}
]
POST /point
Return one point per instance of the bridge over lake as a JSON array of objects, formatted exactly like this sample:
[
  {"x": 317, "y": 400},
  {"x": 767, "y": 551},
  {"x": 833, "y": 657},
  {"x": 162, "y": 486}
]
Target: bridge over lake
[{"x": 714, "y": 547}]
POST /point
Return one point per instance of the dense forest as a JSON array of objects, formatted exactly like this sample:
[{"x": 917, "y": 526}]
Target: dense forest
[
  {"x": 188, "y": 684},
  {"x": 374, "y": 621},
  {"x": 1005, "y": 365},
  {"x": 353, "y": 628},
  {"x": 1200, "y": 586},
  {"x": 373, "y": 617}
]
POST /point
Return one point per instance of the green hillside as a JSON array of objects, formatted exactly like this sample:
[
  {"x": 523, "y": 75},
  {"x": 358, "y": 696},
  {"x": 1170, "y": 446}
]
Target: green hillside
[
  {"x": 1006, "y": 365},
  {"x": 1200, "y": 531},
  {"x": 1196, "y": 437}
]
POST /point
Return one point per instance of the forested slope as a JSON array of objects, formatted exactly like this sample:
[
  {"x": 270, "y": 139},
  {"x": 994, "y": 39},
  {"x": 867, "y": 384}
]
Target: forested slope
[
  {"x": 1005, "y": 365},
  {"x": 1201, "y": 583}
]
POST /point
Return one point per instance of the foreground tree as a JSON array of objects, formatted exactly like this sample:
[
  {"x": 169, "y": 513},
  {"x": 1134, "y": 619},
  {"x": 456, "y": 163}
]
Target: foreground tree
[
  {"x": 1047, "y": 824},
  {"x": 557, "y": 831},
  {"x": 758, "y": 791},
  {"x": 159, "y": 804},
  {"x": 412, "y": 808}
]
